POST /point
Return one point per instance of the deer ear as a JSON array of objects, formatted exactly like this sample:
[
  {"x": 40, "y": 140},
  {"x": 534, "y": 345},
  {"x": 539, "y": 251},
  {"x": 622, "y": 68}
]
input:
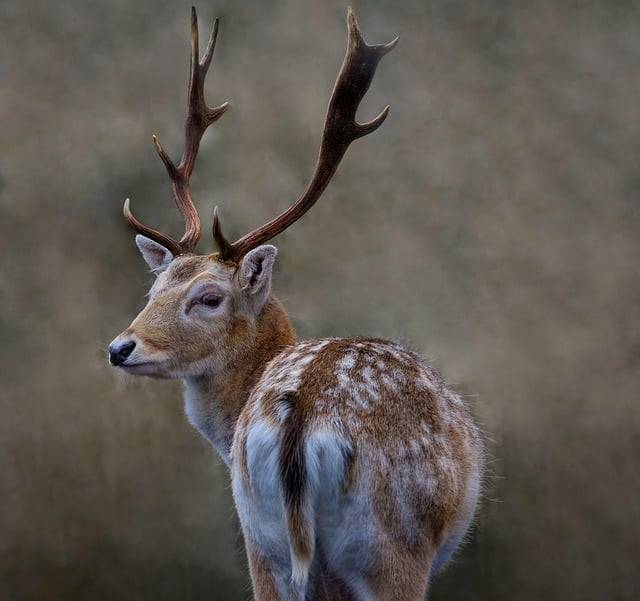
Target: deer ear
[
  {"x": 157, "y": 256},
  {"x": 255, "y": 272}
]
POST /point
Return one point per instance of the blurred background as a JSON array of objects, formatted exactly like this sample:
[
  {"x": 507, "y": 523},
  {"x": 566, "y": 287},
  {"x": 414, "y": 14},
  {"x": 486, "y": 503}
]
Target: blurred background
[{"x": 493, "y": 223}]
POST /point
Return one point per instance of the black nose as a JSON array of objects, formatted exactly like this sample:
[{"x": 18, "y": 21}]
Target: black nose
[{"x": 119, "y": 351}]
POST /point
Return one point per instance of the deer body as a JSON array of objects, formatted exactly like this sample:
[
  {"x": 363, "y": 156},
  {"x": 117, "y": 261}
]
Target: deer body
[
  {"x": 355, "y": 469},
  {"x": 352, "y": 461},
  {"x": 353, "y": 464}
]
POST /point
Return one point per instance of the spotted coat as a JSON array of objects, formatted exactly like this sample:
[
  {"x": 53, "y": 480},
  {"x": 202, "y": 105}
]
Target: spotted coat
[{"x": 348, "y": 452}]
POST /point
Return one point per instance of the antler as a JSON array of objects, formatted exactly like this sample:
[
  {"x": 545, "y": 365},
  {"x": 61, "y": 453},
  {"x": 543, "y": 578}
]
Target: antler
[
  {"x": 340, "y": 130},
  {"x": 199, "y": 117}
]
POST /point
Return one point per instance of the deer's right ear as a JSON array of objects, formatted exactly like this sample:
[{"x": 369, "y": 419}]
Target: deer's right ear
[{"x": 157, "y": 256}]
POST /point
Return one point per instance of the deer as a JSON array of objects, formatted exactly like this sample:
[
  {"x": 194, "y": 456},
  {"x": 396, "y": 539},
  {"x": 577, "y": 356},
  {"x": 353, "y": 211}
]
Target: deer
[{"x": 355, "y": 469}]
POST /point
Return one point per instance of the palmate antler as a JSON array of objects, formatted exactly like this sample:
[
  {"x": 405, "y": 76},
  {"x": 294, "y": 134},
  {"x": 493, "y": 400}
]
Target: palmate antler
[
  {"x": 199, "y": 117},
  {"x": 340, "y": 129}
]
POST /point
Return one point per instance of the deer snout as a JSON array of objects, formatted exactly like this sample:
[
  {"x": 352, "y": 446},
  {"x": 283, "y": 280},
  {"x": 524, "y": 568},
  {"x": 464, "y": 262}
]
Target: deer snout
[{"x": 119, "y": 350}]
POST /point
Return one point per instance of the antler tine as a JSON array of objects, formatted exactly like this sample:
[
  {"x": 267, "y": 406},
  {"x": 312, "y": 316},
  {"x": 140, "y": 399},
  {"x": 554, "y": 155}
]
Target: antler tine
[
  {"x": 340, "y": 129},
  {"x": 224, "y": 246},
  {"x": 149, "y": 232},
  {"x": 199, "y": 117}
]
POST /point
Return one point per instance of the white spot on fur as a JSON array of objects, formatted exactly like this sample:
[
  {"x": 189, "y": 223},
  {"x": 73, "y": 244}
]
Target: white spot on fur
[
  {"x": 284, "y": 373},
  {"x": 398, "y": 376},
  {"x": 344, "y": 378},
  {"x": 370, "y": 381},
  {"x": 389, "y": 383},
  {"x": 423, "y": 382},
  {"x": 347, "y": 362},
  {"x": 357, "y": 397}
]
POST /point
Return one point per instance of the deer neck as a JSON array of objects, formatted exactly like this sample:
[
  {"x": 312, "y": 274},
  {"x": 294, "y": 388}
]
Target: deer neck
[{"x": 214, "y": 400}]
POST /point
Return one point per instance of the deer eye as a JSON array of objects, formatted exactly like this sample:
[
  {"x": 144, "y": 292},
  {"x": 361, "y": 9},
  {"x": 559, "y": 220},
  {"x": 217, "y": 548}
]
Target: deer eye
[{"x": 210, "y": 300}]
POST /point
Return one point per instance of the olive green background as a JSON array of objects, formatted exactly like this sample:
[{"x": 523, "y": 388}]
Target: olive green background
[{"x": 492, "y": 223}]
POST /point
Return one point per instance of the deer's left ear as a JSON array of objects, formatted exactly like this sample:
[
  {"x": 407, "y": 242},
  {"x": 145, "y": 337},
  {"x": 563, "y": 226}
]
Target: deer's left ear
[{"x": 255, "y": 273}]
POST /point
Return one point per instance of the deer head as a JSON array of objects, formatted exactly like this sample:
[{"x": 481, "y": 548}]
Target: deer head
[{"x": 203, "y": 309}]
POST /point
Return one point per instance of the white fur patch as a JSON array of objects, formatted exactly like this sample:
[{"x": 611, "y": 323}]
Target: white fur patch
[
  {"x": 284, "y": 374},
  {"x": 207, "y": 419},
  {"x": 259, "y": 502},
  {"x": 260, "y": 505}
]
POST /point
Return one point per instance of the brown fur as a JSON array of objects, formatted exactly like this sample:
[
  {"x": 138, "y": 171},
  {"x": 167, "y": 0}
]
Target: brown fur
[
  {"x": 388, "y": 425},
  {"x": 237, "y": 354}
]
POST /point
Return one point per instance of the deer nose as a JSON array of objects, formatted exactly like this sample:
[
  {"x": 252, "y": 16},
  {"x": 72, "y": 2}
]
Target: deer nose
[{"x": 119, "y": 351}]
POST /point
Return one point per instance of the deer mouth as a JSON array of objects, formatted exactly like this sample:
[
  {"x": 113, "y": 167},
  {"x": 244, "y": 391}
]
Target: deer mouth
[
  {"x": 137, "y": 364},
  {"x": 142, "y": 368}
]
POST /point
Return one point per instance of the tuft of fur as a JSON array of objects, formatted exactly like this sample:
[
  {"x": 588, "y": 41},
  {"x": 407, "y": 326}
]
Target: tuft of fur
[{"x": 295, "y": 491}]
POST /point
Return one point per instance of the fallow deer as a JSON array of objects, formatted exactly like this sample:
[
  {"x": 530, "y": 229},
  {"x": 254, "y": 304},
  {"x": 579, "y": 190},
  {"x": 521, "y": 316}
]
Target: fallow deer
[{"x": 355, "y": 469}]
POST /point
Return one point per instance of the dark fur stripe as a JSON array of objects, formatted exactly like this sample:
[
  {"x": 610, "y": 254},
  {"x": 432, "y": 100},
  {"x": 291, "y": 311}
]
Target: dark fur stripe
[{"x": 293, "y": 474}]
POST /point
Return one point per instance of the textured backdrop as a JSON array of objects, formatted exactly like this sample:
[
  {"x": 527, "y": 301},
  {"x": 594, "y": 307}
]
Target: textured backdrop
[{"x": 492, "y": 222}]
